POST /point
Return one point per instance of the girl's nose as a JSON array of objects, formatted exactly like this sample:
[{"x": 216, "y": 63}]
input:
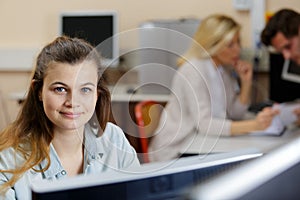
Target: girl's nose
[{"x": 71, "y": 100}]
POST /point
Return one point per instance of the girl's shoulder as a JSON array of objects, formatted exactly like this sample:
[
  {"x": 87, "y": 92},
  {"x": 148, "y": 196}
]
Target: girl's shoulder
[
  {"x": 113, "y": 136},
  {"x": 9, "y": 158},
  {"x": 8, "y": 152},
  {"x": 112, "y": 128},
  {"x": 114, "y": 132}
]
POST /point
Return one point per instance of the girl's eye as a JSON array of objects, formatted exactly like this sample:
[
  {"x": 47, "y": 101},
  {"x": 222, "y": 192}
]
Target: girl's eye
[
  {"x": 86, "y": 90},
  {"x": 60, "y": 89}
]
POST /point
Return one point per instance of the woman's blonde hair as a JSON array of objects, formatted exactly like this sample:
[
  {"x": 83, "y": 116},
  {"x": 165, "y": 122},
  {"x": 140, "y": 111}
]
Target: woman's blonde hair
[
  {"x": 31, "y": 133},
  {"x": 213, "y": 33}
]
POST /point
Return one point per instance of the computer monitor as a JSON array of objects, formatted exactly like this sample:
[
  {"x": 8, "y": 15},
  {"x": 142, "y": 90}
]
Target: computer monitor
[
  {"x": 281, "y": 87},
  {"x": 100, "y": 28},
  {"x": 162, "y": 180},
  {"x": 275, "y": 175}
]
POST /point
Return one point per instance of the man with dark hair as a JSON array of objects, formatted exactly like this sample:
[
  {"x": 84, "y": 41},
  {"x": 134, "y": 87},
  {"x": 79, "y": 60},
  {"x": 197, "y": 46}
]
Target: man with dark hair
[{"x": 282, "y": 33}]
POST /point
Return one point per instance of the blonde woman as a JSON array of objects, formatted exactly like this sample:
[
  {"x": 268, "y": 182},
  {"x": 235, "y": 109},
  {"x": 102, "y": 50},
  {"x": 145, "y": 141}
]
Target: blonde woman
[{"x": 207, "y": 97}]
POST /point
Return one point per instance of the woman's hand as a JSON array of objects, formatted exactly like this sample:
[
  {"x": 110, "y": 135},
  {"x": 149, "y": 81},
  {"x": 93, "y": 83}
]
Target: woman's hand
[
  {"x": 264, "y": 118},
  {"x": 244, "y": 70}
]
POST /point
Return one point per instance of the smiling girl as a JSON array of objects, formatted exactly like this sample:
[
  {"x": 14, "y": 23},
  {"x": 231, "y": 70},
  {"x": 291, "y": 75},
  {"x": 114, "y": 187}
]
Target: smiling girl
[{"x": 62, "y": 129}]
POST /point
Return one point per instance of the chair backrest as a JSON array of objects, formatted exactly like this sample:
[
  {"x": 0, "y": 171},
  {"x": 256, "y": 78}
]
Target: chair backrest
[{"x": 147, "y": 114}]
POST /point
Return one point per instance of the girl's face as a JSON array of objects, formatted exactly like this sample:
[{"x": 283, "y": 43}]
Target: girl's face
[
  {"x": 69, "y": 94},
  {"x": 230, "y": 54}
]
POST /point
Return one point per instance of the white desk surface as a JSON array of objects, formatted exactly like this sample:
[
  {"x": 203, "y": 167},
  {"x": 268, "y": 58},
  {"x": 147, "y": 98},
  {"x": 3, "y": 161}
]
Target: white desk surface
[
  {"x": 264, "y": 144},
  {"x": 119, "y": 93}
]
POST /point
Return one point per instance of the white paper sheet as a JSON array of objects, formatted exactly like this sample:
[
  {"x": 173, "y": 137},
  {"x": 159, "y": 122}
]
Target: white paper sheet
[
  {"x": 283, "y": 119},
  {"x": 286, "y": 114}
]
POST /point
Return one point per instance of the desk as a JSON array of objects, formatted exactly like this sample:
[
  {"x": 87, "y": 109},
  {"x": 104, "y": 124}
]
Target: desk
[{"x": 264, "y": 144}]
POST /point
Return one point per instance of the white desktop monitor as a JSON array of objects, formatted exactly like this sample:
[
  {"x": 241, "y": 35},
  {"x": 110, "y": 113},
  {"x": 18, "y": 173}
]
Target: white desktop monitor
[
  {"x": 291, "y": 71},
  {"x": 275, "y": 175},
  {"x": 100, "y": 28},
  {"x": 162, "y": 180}
]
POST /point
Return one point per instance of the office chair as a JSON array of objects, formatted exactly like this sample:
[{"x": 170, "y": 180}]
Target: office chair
[{"x": 147, "y": 114}]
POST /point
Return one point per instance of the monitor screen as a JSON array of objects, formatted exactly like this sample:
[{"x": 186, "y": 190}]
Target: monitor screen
[
  {"x": 161, "y": 180},
  {"x": 97, "y": 27}
]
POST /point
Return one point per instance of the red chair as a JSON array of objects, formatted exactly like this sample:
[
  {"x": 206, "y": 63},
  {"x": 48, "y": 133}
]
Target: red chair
[{"x": 147, "y": 114}]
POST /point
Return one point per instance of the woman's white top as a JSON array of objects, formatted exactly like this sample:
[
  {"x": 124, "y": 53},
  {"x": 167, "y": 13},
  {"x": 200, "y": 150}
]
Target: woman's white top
[{"x": 203, "y": 101}]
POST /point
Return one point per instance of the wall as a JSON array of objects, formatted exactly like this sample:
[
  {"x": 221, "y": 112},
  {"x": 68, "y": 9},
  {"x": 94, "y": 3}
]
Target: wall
[{"x": 32, "y": 23}]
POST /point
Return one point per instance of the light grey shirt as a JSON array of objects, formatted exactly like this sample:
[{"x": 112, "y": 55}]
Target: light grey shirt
[
  {"x": 204, "y": 101},
  {"x": 109, "y": 152}
]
